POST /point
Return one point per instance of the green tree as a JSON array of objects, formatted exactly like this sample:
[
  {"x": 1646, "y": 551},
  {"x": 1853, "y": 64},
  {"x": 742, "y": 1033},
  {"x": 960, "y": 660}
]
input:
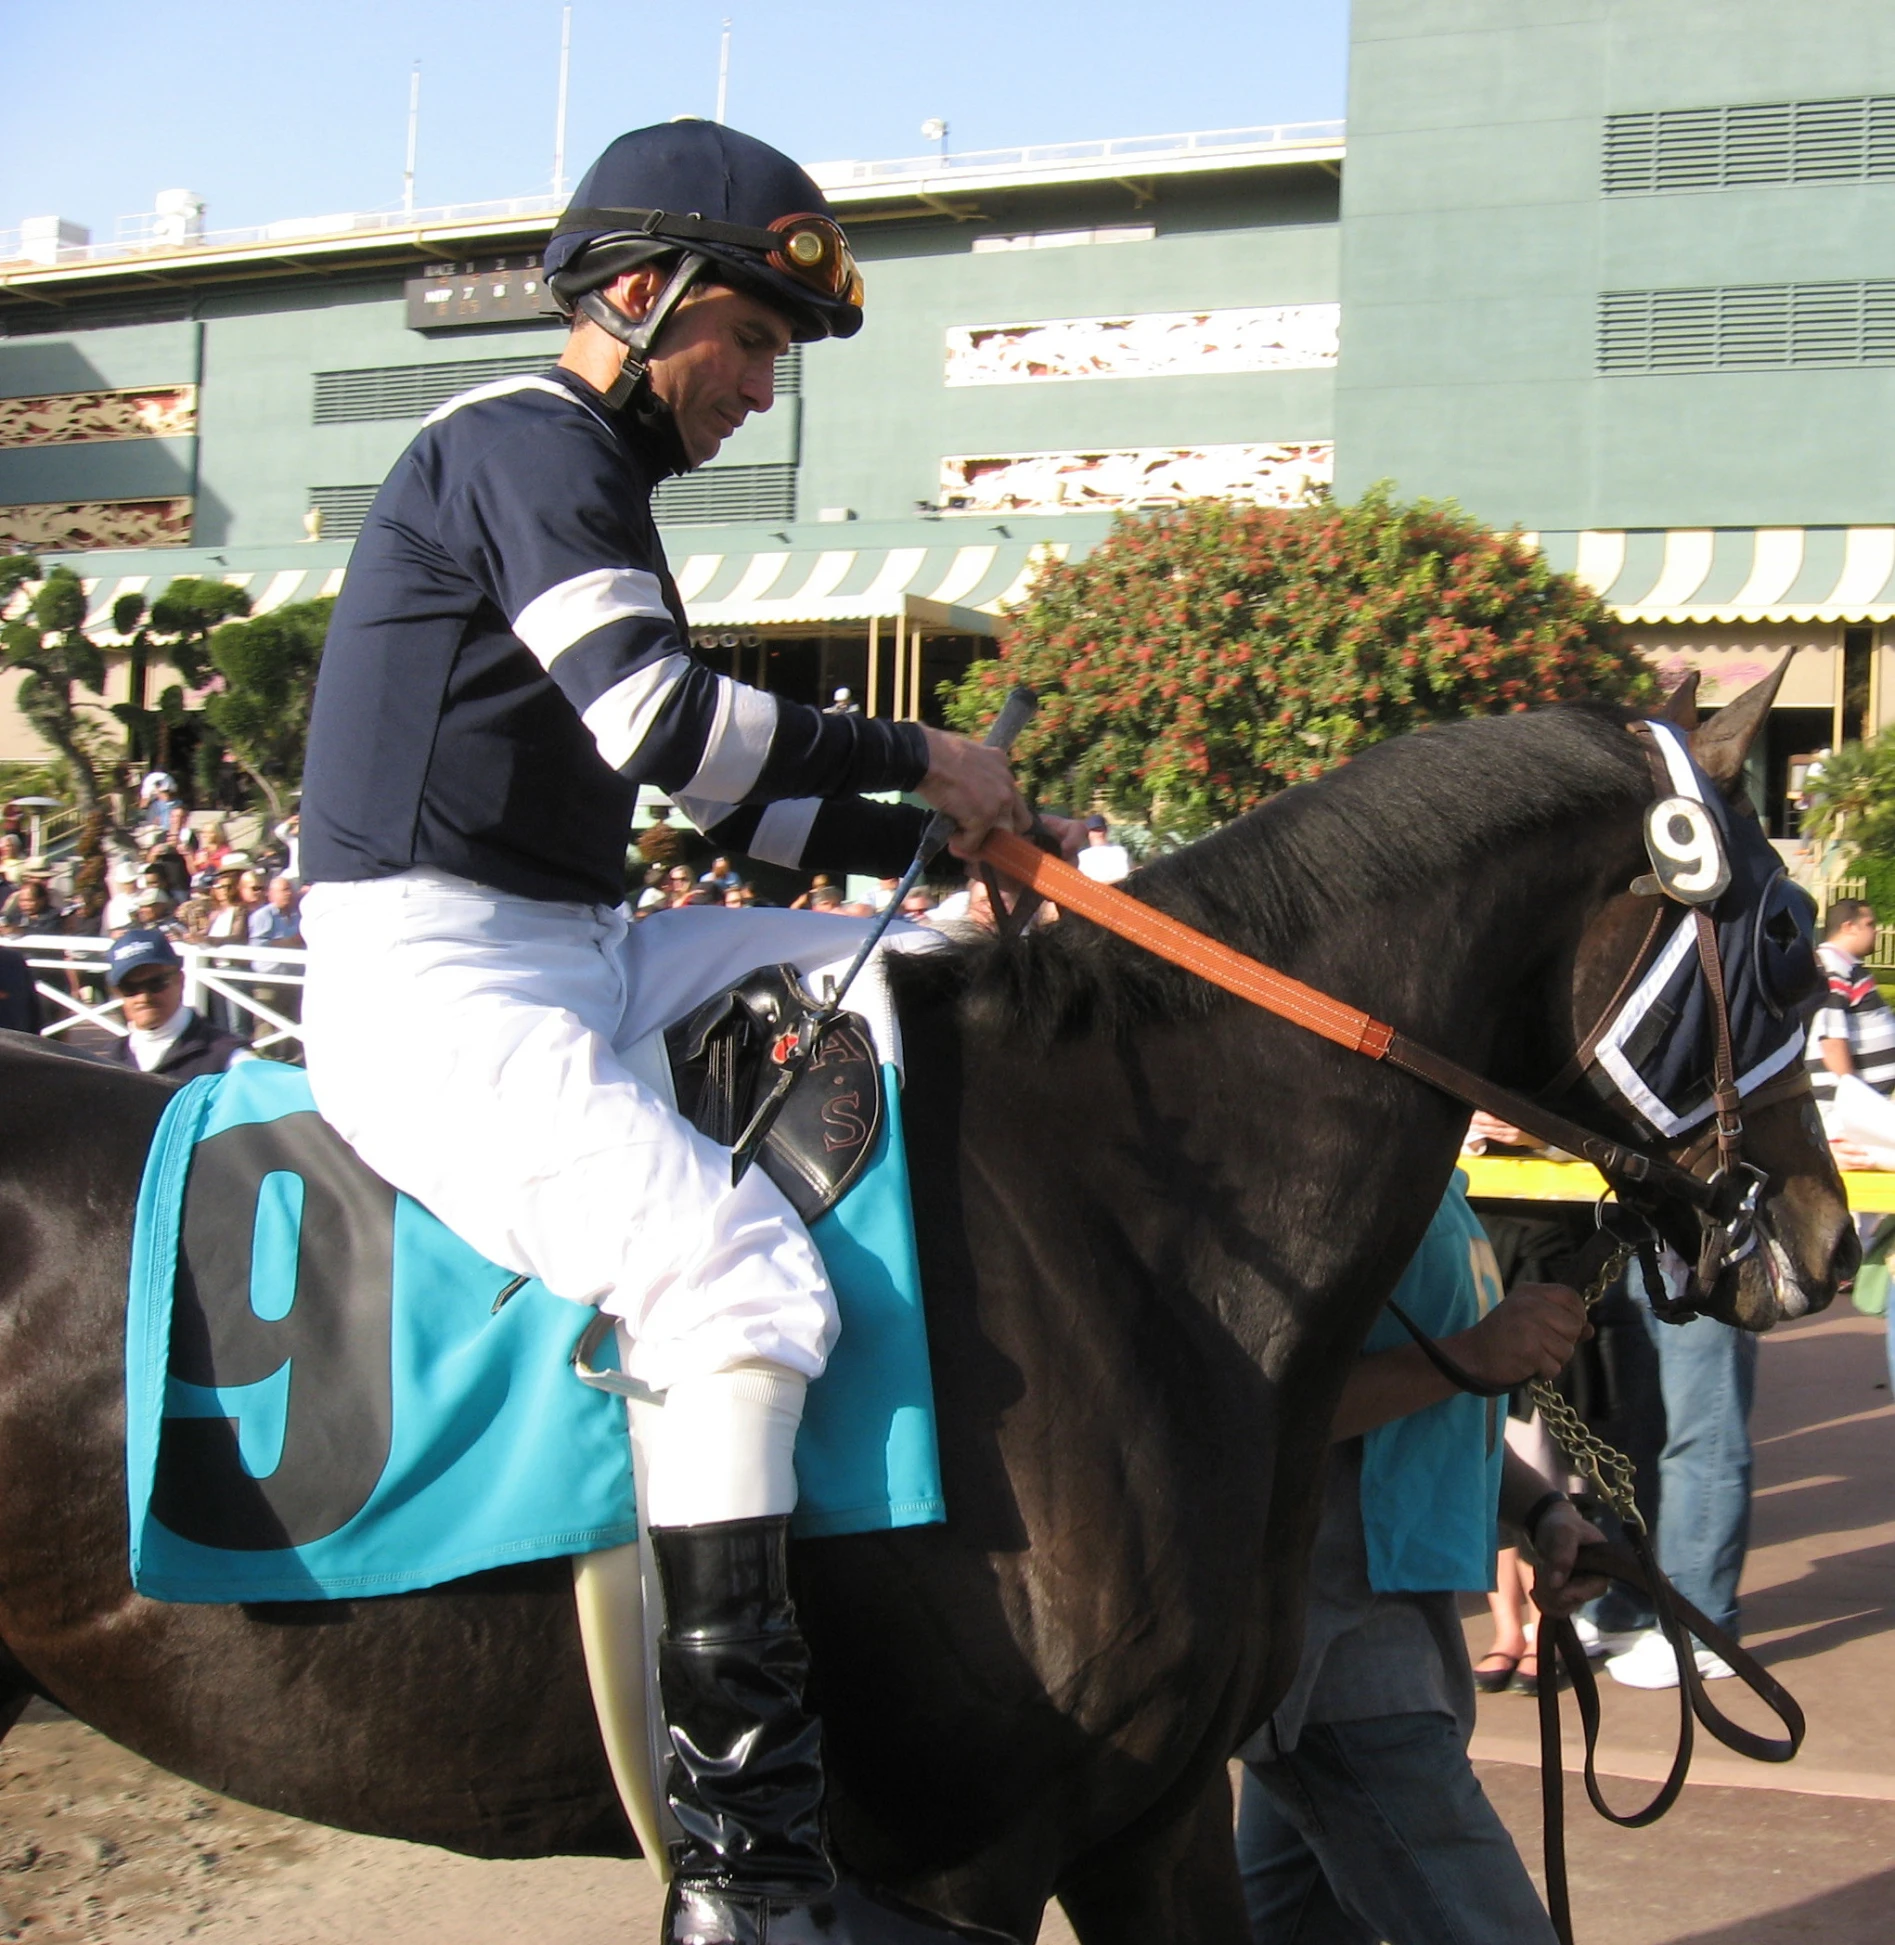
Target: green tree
[
  {"x": 49, "y": 645},
  {"x": 174, "y": 629},
  {"x": 1851, "y": 800},
  {"x": 1204, "y": 657},
  {"x": 261, "y": 712}
]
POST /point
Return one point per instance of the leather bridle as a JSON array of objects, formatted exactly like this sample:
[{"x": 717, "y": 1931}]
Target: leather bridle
[{"x": 1726, "y": 1202}]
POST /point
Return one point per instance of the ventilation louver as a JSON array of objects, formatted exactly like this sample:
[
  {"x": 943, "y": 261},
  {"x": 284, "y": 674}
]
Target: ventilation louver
[
  {"x": 343, "y": 509},
  {"x": 413, "y": 391},
  {"x": 727, "y": 493},
  {"x": 1758, "y": 144},
  {"x": 1747, "y": 327}
]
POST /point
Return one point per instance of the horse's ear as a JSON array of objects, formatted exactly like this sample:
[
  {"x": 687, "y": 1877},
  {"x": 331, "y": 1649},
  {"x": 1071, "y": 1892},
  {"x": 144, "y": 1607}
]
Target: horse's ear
[
  {"x": 1681, "y": 706},
  {"x": 1721, "y": 745}
]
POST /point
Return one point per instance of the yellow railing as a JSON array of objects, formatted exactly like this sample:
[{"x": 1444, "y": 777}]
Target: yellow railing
[{"x": 1526, "y": 1178}]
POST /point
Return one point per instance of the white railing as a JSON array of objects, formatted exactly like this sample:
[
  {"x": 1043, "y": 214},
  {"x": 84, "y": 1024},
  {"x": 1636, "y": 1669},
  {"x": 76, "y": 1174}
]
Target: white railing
[
  {"x": 58, "y": 828},
  {"x": 147, "y": 240},
  {"x": 151, "y": 234},
  {"x": 238, "y": 975},
  {"x": 1122, "y": 151}
]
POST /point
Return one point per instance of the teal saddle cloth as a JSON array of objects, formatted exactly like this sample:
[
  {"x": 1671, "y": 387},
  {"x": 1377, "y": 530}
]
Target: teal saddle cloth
[{"x": 328, "y": 1394}]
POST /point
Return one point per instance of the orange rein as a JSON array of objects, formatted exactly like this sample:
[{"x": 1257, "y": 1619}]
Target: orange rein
[{"x": 1183, "y": 945}]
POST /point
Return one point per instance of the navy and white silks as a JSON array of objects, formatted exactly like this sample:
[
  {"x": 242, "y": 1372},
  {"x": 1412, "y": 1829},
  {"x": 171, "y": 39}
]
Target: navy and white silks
[{"x": 509, "y": 660}]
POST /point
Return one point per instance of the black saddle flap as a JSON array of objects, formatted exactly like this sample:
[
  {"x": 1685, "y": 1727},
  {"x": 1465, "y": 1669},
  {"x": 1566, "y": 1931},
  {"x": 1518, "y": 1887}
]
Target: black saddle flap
[{"x": 722, "y": 1065}]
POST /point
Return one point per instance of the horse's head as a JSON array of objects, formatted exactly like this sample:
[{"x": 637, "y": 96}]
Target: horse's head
[{"x": 1691, "y": 1000}]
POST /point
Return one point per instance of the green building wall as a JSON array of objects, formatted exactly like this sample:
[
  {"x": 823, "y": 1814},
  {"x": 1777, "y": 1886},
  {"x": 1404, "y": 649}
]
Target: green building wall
[
  {"x": 875, "y": 418},
  {"x": 880, "y": 418},
  {"x": 1476, "y": 241}
]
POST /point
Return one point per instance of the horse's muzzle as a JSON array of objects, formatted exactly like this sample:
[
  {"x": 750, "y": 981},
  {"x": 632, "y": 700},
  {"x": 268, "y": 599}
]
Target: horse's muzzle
[{"x": 1777, "y": 1281}]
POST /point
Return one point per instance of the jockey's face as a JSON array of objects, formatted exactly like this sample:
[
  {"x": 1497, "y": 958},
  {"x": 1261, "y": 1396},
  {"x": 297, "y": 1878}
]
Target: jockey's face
[{"x": 716, "y": 364}]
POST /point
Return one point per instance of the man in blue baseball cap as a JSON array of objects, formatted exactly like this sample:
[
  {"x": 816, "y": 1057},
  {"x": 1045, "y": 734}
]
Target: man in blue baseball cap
[
  {"x": 165, "y": 1036},
  {"x": 509, "y": 661}
]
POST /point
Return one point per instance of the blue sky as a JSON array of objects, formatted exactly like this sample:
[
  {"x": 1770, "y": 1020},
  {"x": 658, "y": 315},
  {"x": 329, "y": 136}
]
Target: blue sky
[{"x": 271, "y": 110}]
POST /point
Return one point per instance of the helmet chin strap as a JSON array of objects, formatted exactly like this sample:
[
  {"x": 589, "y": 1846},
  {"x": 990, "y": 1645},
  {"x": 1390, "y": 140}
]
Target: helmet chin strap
[{"x": 638, "y": 334}]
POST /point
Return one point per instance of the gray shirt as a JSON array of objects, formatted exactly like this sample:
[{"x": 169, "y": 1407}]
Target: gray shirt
[{"x": 1366, "y": 1654}]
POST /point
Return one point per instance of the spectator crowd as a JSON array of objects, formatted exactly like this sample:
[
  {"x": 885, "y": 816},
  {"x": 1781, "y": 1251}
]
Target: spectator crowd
[
  {"x": 170, "y": 880},
  {"x": 659, "y": 880}
]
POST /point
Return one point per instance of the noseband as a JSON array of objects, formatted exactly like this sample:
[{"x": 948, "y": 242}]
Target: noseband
[{"x": 1726, "y": 1201}]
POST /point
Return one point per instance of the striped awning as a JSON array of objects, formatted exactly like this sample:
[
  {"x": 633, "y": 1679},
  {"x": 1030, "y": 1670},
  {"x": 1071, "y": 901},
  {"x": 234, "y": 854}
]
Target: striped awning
[
  {"x": 266, "y": 591},
  {"x": 960, "y": 589},
  {"x": 954, "y": 587},
  {"x": 1678, "y": 575},
  {"x": 1725, "y": 574}
]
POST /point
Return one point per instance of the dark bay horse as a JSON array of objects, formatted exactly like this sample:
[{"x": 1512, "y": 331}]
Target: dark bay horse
[{"x": 1156, "y": 1225}]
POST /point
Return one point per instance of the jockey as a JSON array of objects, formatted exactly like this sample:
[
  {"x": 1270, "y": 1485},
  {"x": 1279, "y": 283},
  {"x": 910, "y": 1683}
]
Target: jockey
[{"x": 508, "y": 662}]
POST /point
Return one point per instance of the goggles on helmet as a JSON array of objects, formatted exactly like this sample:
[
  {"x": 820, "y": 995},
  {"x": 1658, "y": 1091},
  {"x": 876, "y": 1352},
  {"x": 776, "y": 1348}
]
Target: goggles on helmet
[
  {"x": 808, "y": 249},
  {"x": 813, "y": 250}
]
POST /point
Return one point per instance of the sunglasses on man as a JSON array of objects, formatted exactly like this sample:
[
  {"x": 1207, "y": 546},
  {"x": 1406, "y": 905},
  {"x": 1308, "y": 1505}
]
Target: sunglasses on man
[{"x": 137, "y": 983}]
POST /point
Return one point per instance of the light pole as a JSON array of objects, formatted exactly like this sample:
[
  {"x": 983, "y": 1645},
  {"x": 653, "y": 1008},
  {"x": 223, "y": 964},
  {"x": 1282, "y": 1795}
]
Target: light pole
[
  {"x": 414, "y": 125},
  {"x": 559, "y": 115}
]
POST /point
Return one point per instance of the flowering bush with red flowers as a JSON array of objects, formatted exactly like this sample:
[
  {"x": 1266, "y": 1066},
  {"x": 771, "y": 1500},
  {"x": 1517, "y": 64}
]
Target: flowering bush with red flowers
[{"x": 1204, "y": 657}]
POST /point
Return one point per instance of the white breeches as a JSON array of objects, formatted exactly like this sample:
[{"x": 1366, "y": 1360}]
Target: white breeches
[{"x": 474, "y": 1048}]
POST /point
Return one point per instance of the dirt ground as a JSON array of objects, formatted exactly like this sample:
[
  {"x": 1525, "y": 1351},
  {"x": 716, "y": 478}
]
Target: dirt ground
[
  {"x": 100, "y": 1848},
  {"x": 97, "y": 1846}
]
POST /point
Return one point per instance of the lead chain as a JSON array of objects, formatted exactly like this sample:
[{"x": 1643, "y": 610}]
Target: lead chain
[{"x": 1608, "y": 1468}]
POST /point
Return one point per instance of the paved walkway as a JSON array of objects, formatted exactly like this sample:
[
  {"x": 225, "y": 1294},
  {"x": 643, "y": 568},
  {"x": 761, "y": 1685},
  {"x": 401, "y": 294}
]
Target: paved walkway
[{"x": 1756, "y": 1853}]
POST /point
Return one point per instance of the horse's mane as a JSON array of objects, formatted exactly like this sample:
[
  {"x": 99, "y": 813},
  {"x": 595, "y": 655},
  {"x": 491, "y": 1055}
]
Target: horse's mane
[{"x": 1409, "y": 811}]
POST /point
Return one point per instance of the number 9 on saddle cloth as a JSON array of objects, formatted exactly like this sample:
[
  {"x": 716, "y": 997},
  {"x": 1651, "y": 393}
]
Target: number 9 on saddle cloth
[{"x": 331, "y": 1395}]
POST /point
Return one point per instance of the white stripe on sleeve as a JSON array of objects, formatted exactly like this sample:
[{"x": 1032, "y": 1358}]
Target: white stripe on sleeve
[
  {"x": 550, "y": 623},
  {"x": 624, "y": 716},
  {"x": 738, "y": 745},
  {"x": 783, "y": 830},
  {"x": 700, "y": 810}
]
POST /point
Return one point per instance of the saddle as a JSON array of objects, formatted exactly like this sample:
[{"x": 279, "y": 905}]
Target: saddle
[{"x": 724, "y": 1060}]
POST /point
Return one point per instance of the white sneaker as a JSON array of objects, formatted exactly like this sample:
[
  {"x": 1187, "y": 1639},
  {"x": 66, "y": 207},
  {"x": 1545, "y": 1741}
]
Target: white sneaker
[
  {"x": 1614, "y": 1641},
  {"x": 1650, "y": 1663}
]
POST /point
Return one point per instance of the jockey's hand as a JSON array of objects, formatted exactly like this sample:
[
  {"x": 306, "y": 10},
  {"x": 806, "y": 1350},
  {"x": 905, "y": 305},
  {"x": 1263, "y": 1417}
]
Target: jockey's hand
[
  {"x": 974, "y": 786},
  {"x": 1557, "y": 1537},
  {"x": 1531, "y": 1333}
]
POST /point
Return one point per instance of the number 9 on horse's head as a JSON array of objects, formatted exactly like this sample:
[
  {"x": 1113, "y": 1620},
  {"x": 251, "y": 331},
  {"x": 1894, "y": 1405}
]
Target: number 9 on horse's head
[{"x": 1692, "y": 987}]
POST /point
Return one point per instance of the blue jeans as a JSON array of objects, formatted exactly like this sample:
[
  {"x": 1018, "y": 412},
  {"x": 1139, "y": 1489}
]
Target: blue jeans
[
  {"x": 1379, "y": 1830},
  {"x": 1708, "y": 1374}
]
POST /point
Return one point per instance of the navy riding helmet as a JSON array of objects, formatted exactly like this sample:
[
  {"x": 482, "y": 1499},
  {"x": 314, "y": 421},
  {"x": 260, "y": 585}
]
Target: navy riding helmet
[{"x": 716, "y": 206}]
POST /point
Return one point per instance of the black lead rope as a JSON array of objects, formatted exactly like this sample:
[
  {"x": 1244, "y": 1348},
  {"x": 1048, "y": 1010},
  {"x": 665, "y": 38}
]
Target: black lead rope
[
  {"x": 1635, "y": 1566},
  {"x": 1456, "y": 1374}
]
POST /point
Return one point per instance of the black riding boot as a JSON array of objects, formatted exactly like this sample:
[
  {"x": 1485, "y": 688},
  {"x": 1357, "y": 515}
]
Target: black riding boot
[{"x": 746, "y": 1774}]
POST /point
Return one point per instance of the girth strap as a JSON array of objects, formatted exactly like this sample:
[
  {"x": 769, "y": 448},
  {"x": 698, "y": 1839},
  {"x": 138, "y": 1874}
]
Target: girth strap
[{"x": 1348, "y": 1026}]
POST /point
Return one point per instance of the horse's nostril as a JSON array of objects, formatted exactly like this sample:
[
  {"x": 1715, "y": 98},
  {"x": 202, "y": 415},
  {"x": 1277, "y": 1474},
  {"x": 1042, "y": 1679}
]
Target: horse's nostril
[{"x": 1846, "y": 1258}]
